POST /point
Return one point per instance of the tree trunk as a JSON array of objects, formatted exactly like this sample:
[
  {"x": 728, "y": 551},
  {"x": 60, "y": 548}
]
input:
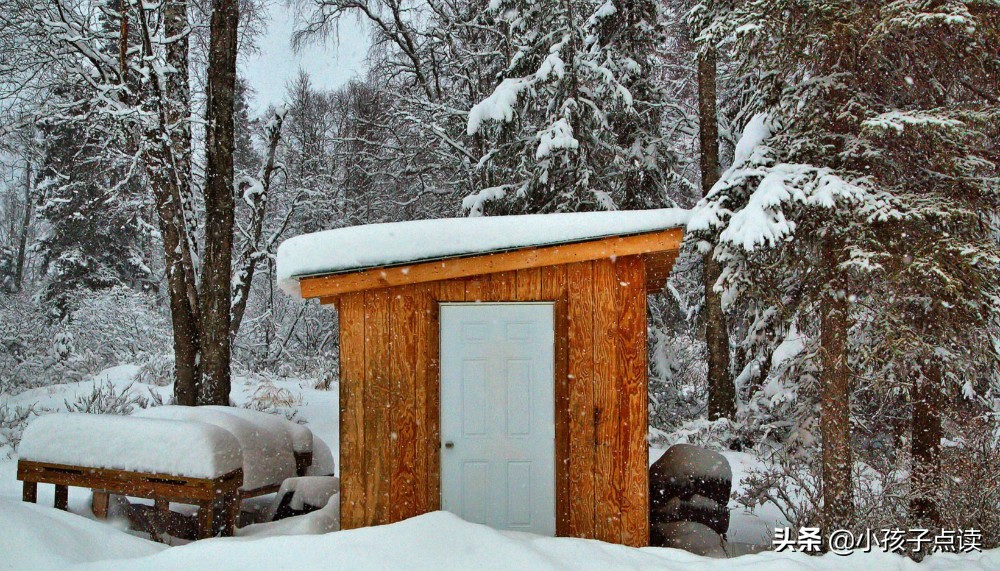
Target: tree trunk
[
  {"x": 216, "y": 276},
  {"x": 22, "y": 240},
  {"x": 926, "y": 446},
  {"x": 173, "y": 198},
  {"x": 721, "y": 391},
  {"x": 835, "y": 410}
]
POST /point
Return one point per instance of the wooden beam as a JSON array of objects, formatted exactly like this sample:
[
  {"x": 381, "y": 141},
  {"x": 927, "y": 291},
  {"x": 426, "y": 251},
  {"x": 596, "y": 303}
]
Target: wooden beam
[{"x": 329, "y": 286}]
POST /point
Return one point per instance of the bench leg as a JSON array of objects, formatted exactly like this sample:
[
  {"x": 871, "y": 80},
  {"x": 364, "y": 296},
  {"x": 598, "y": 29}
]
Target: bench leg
[
  {"x": 206, "y": 518},
  {"x": 160, "y": 520},
  {"x": 100, "y": 503},
  {"x": 62, "y": 497},
  {"x": 30, "y": 492},
  {"x": 232, "y": 513}
]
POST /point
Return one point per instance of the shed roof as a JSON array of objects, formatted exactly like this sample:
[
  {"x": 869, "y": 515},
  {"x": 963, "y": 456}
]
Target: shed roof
[{"x": 361, "y": 248}]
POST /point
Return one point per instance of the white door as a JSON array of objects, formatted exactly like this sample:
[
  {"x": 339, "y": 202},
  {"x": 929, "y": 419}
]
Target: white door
[{"x": 498, "y": 414}]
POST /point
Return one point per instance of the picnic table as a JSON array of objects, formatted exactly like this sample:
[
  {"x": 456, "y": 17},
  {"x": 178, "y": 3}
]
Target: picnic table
[{"x": 210, "y": 457}]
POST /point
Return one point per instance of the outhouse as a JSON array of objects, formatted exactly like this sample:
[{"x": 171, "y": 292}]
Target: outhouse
[{"x": 494, "y": 367}]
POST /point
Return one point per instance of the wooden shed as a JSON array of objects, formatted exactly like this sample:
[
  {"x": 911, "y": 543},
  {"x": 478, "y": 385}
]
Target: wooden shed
[{"x": 494, "y": 367}]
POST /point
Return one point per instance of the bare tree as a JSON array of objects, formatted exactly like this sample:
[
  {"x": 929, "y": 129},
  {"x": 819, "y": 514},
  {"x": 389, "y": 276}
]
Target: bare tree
[{"x": 216, "y": 275}]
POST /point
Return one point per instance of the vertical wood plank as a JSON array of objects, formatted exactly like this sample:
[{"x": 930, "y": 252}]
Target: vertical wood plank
[
  {"x": 444, "y": 291},
  {"x": 402, "y": 413},
  {"x": 422, "y": 337},
  {"x": 476, "y": 288},
  {"x": 206, "y": 519},
  {"x": 377, "y": 431},
  {"x": 29, "y": 492},
  {"x": 607, "y": 512},
  {"x": 529, "y": 284},
  {"x": 501, "y": 287},
  {"x": 62, "y": 497},
  {"x": 451, "y": 290},
  {"x": 352, "y": 410},
  {"x": 554, "y": 288},
  {"x": 100, "y": 503},
  {"x": 581, "y": 398},
  {"x": 631, "y": 388}
]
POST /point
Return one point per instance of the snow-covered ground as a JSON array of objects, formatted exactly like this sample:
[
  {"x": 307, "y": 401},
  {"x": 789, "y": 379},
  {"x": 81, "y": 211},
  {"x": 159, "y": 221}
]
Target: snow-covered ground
[{"x": 38, "y": 537}]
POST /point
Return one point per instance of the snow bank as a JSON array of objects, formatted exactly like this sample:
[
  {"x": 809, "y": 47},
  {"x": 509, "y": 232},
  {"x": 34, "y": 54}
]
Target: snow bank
[
  {"x": 41, "y": 539},
  {"x": 37, "y": 538},
  {"x": 442, "y": 542},
  {"x": 266, "y": 446},
  {"x": 313, "y": 523},
  {"x": 156, "y": 445},
  {"x": 376, "y": 245}
]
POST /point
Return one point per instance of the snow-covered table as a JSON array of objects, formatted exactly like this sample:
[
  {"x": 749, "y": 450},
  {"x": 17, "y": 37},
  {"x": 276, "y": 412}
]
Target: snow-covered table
[
  {"x": 162, "y": 459},
  {"x": 272, "y": 448}
]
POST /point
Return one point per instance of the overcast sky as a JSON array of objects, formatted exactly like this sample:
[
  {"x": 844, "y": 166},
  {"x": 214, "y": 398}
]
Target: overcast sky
[{"x": 335, "y": 63}]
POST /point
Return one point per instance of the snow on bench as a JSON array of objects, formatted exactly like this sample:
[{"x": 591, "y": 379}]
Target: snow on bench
[
  {"x": 163, "y": 459},
  {"x": 150, "y": 445},
  {"x": 398, "y": 243},
  {"x": 266, "y": 444},
  {"x": 302, "y": 437}
]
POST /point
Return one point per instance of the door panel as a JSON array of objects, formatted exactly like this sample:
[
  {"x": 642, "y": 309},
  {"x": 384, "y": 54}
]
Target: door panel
[{"x": 497, "y": 414}]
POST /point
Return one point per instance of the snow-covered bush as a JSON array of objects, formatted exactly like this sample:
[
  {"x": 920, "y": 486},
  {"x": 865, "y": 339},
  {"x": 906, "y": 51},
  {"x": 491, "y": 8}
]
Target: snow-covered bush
[
  {"x": 106, "y": 398},
  {"x": 157, "y": 370},
  {"x": 34, "y": 351},
  {"x": 120, "y": 325},
  {"x": 13, "y": 421},
  {"x": 792, "y": 483}
]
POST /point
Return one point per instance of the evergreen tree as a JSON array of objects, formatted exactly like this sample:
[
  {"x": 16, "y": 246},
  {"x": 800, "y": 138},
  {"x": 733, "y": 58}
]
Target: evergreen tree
[
  {"x": 858, "y": 210},
  {"x": 577, "y": 116},
  {"x": 91, "y": 211}
]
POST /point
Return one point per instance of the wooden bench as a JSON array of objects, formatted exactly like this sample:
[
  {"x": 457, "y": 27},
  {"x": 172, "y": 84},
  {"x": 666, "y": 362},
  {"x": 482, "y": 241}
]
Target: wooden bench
[{"x": 214, "y": 497}]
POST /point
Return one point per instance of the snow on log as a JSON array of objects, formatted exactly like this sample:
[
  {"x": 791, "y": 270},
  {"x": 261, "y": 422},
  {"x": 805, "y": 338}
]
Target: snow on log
[
  {"x": 398, "y": 243},
  {"x": 149, "y": 445}
]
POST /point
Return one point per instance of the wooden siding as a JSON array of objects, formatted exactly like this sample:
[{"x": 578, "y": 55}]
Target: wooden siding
[{"x": 390, "y": 392}]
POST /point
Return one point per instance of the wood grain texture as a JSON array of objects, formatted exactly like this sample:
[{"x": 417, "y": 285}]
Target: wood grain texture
[
  {"x": 377, "y": 419},
  {"x": 390, "y": 394},
  {"x": 476, "y": 288},
  {"x": 630, "y": 450},
  {"x": 491, "y": 263},
  {"x": 425, "y": 308},
  {"x": 124, "y": 482},
  {"x": 554, "y": 288},
  {"x": 451, "y": 291},
  {"x": 502, "y": 287},
  {"x": 529, "y": 284},
  {"x": 352, "y": 411},
  {"x": 402, "y": 413},
  {"x": 607, "y": 514},
  {"x": 580, "y": 293}
]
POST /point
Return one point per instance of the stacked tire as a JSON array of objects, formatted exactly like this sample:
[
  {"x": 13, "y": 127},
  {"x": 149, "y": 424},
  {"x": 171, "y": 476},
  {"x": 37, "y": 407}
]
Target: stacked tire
[{"x": 689, "y": 499}]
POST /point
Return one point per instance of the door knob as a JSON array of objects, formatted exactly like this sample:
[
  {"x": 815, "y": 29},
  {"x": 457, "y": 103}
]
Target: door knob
[{"x": 449, "y": 444}]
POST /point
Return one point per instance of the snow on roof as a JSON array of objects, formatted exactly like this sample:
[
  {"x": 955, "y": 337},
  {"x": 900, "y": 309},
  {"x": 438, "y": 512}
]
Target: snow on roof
[
  {"x": 398, "y": 243},
  {"x": 151, "y": 445}
]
